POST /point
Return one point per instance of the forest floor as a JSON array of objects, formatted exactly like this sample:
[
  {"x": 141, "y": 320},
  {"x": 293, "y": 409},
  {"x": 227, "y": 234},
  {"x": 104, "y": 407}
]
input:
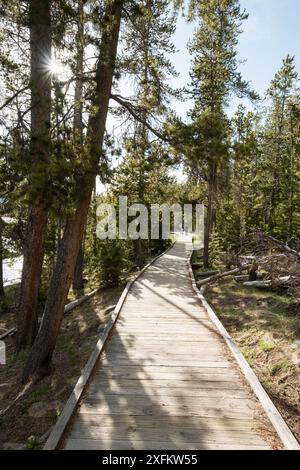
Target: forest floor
[
  {"x": 25, "y": 421},
  {"x": 266, "y": 330}
]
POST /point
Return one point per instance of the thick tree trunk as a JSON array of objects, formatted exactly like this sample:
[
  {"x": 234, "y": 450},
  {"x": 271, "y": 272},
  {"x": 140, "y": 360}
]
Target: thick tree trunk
[
  {"x": 40, "y": 47},
  {"x": 210, "y": 215},
  {"x": 31, "y": 276},
  {"x": 2, "y": 293},
  {"x": 78, "y": 283},
  {"x": 39, "y": 360}
]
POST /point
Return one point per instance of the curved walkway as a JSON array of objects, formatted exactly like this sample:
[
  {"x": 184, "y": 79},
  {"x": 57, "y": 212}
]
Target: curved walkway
[{"x": 165, "y": 379}]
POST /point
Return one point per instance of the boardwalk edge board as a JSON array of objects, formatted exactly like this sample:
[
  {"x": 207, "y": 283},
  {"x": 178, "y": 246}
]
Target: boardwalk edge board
[
  {"x": 58, "y": 430},
  {"x": 286, "y": 436}
]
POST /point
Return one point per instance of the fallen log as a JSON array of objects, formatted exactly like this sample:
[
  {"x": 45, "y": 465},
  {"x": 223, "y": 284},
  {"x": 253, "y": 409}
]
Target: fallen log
[
  {"x": 70, "y": 306},
  {"x": 247, "y": 257},
  {"x": 207, "y": 274},
  {"x": 283, "y": 281},
  {"x": 10, "y": 332},
  {"x": 197, "y": 265},
  {"x": 216, "y": 277},
  {"x": 258, "y": 284},
  {"x": 245, "y": 278},
  {"x": 242, "y": 278}
]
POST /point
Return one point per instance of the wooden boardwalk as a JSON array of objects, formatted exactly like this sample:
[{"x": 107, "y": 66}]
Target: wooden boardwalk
[{"x": 164, "y": 380}]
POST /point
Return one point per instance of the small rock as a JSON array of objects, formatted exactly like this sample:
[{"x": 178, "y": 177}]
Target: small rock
[{"x": 41, "y": 408}]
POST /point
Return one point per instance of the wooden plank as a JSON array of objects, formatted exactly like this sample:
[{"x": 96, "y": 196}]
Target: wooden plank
[
  {"x": 144, "y": 400},
  {"x": 196, "y": 350},
  {"x": 170, "y": 375},
  {"x": 191, "y": 337},
  {"x": 167, "y": 343},
  {"x": 170, "y": 346},
  {"x": 167, "y": 373},
  {"x": 186, "y": 321},
  {"x": 215, "y": 383},
  {"x": 166, "y": 422},
  {"x": 158, "y": 361},
  {"x": 158, "y": 327},
  {"x": 192, "y": 349},
  {"x": 137, "y": 405},
  {"x": 133, "y": 354},
  {"x": 113, "y": 444},
  {"x": 153, "y": 410},
  {"x": 96, "y": 392},
  {"x": 194, "y": 371},
  {"x": 180, "y": 436}
]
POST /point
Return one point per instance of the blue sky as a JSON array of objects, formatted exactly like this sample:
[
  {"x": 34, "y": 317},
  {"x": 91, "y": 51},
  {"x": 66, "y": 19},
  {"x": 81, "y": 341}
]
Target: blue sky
[{"x": 271, "y": 32}]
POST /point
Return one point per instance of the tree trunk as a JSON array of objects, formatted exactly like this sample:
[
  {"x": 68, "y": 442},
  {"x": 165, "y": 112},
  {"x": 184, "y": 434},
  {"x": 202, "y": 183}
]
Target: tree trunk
[
  {"x": 78, "y": 284},
  {"x": 2, "y": 293},
  {"x": 39, "y": 360},
  {"x": 40, "y": 48},
  {"x": 253, "y": 272},
  {"x": 210, "y": 215},
  {"x": 138, "y": 253}
]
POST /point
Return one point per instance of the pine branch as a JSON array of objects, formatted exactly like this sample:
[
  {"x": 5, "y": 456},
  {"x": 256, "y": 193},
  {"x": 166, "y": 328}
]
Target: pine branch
[
  {"x": 14, "y": 96},
  {"x": 134, "y": 113}
]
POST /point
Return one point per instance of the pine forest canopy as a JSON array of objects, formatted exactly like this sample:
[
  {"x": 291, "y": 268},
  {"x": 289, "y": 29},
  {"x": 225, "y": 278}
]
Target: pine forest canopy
[{"x": 88, "y": 95}]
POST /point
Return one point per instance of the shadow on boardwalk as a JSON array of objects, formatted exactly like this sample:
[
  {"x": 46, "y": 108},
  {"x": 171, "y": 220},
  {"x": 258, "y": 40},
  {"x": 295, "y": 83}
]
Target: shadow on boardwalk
[{"x": 163, "y": 381}]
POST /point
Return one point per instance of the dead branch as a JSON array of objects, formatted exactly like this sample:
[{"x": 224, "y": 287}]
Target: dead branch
[
  {"x": 280, "y": 244},
  {"x": 218, "y": 276}
]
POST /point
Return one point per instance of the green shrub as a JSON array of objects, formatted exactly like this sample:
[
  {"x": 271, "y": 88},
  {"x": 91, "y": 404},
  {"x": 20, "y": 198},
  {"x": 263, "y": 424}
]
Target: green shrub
[{"x": 111, "y": 261}]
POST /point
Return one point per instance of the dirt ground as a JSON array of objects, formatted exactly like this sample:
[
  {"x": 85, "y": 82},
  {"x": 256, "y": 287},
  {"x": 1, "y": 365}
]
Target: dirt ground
[
  {"x": 266, "y": 330},
  {"x": 26, "y": 417}
]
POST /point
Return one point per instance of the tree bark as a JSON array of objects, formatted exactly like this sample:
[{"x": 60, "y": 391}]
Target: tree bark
[
  {"x": 78, "y": 284},
  {"x": 40, "y": 357},
  {"x": 138, "y": 253},
  {"x": 40, "y": 48},
  {"x": 253, "y": 272},
  {"x": 2, "y": 293},
  {"x": 210, "y": 215}
]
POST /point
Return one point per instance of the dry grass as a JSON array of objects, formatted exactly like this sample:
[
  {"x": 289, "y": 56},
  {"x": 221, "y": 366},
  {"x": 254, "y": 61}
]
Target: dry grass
[{"x": 265, "y": 328}]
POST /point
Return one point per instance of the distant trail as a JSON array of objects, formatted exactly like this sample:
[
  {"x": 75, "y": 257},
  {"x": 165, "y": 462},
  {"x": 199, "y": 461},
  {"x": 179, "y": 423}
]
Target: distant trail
[{"x": 163, "y": 380}]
